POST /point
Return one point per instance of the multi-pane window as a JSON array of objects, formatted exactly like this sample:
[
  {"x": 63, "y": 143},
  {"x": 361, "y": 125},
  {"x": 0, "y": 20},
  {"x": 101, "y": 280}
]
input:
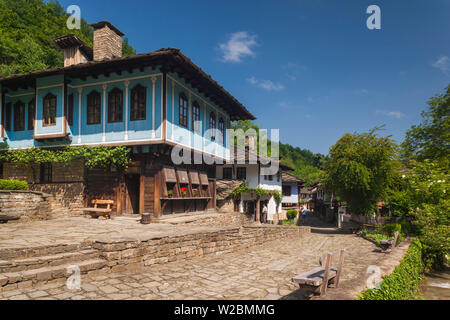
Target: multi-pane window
[
  {"x": 212, "y": 125},
  {"x": 241, "y": 173},
  {"x": 115, "y": 105},
  {"x": 227, "y": 173},
  {"x": 287, "y": 191},
  {"x": 183, "y": 110},
  {"x": 69, "y": 110},
  {"x": 8, "y": 112},
  {"x": 138, "y": 103},
  {"x": 222, "y": 130},
  {"x": 19, "y": 116},
  {"x": 196, "y": 125},
  {"x": 46, "y": 172},
  {"x": 31, "y": 114},
  {"x": 94, "y": 108},
  {"x": 49, "y": 110}
]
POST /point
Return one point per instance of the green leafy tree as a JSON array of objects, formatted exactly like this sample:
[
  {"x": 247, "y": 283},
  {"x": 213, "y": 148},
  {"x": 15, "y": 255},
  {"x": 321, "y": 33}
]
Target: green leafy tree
[
  {"x": 306, "y": 164},
  {"x": 27, "y": 31},
  {"x": 360, "y": 170},
  {"x": 431, "y": 138}
]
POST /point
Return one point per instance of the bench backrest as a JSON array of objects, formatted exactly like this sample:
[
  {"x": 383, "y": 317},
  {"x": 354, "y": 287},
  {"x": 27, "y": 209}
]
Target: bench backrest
[
  {"x": 107, "y": 203},
  {"x": 394, "y": 243},
  {"x": 327, "y": 261}
]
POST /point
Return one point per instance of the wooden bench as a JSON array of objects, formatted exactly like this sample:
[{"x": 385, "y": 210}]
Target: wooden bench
[
  {"x": 387, "y": 245},
  {"x": 96, "y": 211},
  {"x": 5, "y": 219},
  {"x": 317, "y": 280}
]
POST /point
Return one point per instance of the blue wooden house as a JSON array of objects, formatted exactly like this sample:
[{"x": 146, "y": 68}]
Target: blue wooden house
[{"x": 150, "y": 102}]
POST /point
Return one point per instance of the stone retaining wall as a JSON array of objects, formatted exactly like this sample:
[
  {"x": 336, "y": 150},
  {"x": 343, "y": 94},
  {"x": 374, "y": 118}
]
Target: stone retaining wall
[
  {"x": 27, "y": 205},
  {"x": 27, "y": 267},
  {"x": 132, "y": 254}
]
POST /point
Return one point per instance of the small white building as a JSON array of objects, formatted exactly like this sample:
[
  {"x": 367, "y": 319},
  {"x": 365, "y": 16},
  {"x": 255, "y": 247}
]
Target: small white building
[
  {"x": 252, "y": 175},
  {"x": 291, "y": 186}
]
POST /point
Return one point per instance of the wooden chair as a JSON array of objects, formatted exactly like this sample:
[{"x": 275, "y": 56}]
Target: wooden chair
[
  {"x": 387, "y": 245},
  {"x": 96, "y": 211},
  {"x": 317, "y": 280}
]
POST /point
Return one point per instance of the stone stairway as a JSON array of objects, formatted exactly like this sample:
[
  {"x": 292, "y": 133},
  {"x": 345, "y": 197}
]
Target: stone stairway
[{"x": 28, "y": 267}]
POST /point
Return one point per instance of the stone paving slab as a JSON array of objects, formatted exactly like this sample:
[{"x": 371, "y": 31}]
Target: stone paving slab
[
  {"x": 263, "y": 272},
  {"x": 69, "y": 230}
]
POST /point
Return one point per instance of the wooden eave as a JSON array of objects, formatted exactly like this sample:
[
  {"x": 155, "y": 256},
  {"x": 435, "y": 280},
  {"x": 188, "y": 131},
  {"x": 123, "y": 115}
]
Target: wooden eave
[{"x": 170, "y": 60}]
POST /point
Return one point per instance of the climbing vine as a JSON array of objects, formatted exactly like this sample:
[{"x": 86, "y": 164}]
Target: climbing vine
[
  {"x": 243, "y": 188},
  {"x": 93, "y": 157}
]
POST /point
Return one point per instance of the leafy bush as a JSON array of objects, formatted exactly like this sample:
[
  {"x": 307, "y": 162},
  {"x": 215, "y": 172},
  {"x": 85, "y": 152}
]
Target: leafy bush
[
  {"x": 403, "y": 283},
  {"x": 291, "y": 214},
  {"x": 405, "y": 228},
  {"x": 375, "y": 235},
  {"x": 391, "y": 228},
  {"x": 13, "y": 185}
]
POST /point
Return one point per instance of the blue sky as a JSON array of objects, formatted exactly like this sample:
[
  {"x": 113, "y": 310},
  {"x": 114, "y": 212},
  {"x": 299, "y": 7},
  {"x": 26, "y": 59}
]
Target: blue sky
[{"x": 310, "y": 68}]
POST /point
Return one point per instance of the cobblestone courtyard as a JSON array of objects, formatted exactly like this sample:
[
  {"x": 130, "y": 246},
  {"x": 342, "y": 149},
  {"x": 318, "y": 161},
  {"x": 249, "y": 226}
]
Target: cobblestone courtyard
[{"x": 263, "y": 272}]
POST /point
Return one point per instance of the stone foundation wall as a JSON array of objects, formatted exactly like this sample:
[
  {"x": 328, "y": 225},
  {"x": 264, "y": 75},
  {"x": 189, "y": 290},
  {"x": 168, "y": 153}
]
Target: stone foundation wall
[
  {"x": 225, "y": 219},
  {"x": 67, "y": 198},
  {"x": 67, "y": 186},
  {"x": 226, "y": 205},
  {"x": 132, "y": 254},
  {"x": 27, "y": 205}
]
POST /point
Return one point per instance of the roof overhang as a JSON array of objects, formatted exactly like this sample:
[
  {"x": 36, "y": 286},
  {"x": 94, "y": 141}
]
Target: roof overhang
[{"x": 170, "y": 60}]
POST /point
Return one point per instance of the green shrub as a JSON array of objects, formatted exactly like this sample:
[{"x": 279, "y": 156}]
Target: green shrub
[
  {"x": 405, "y": 227},
  {"x": 291, "y": 214},
  {"x": 13, "y": 185},
  {"x": 403, "y": 283},
  {"x": 391, "y": 228}
]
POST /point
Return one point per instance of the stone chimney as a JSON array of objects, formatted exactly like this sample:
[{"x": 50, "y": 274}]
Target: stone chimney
[
  {"x": 107, "y": 41},
  {"x": 75, "y": 50}
]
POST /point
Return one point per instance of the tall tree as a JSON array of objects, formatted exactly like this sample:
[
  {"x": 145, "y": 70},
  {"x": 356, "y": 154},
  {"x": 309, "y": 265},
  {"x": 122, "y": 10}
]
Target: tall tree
[
  {"x": 360, "y": 169},
  {"x": 28, "y": 28},
  {"x": 431, "y": 138}
]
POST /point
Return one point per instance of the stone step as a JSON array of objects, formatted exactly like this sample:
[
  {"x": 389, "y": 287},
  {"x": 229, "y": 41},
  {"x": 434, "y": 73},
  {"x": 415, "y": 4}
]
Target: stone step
[
  {"x": 23, "y": 253},
  {"x": 14, "y": 280},
  {"x": 16, "y": 265}
]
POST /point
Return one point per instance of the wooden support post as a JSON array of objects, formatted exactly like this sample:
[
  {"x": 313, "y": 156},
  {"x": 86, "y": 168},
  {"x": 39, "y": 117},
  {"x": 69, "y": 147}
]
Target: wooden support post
[
  {"x": 141, "y": 194},
  {"x": 157, "y": 180},
  {"x": 258, "y": 216}
]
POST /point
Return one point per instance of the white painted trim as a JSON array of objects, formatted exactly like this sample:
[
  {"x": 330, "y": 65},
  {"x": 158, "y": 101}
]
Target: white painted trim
[
  {"x": 80, "y": 98},
  {"x": 173, "y": 109},
  {"x": 127, "y": 84},
  {"x": 153, "y": 106},
  {"x": 162, "y": 103},
  {"x": 36, "y": 107},
  {"x": 190, "y": 117},
  {"x": 191, "y": 147},
  {"x": 52, "y": 86},
  {"x": 116, "y": 142},
  {"x": 114, "y": 81},
  {"x": 198, "y": 96},
  {"x": 19, "y": 95},
  {"x": 104, "y": 86}
]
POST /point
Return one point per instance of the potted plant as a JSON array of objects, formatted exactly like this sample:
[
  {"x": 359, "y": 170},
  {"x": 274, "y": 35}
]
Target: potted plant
[
  {"x": 170, "y": 193},
  {"x": 184, "y": 191},
  {"x": 194, "y": 192}
]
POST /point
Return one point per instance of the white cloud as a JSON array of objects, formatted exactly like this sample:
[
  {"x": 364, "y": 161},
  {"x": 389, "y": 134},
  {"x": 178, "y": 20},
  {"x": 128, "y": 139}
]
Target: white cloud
[
  {"x": 239, "y": 45},
  {"x": 293, "y": 70},
  {"x": 393, "y": 114},
  {"x": 267, "y": 85},
  {"x": 443, "y": 64}
]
